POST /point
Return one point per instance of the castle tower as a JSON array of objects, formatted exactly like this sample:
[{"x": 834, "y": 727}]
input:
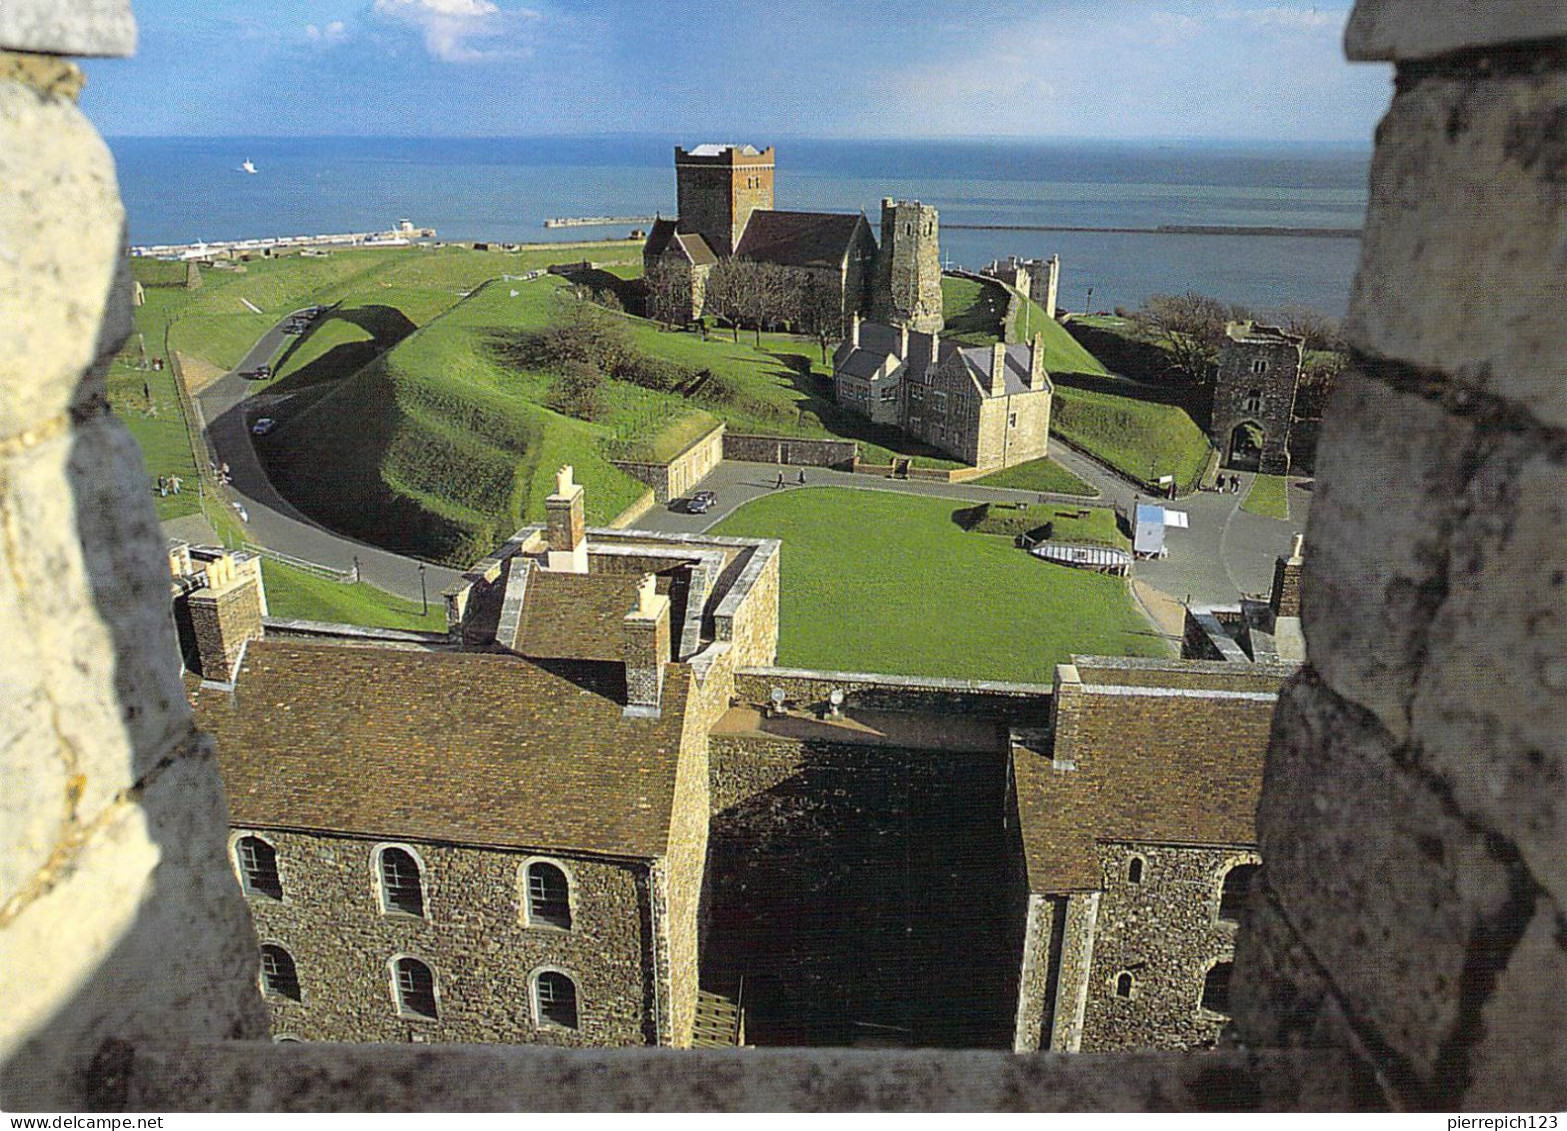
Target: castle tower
[
  {"x": 717, "y": 187},
  {"x": 1044, "y": 283},
  {"x": 1254, "y": 397},
  {"x": 907, "y": 291}
]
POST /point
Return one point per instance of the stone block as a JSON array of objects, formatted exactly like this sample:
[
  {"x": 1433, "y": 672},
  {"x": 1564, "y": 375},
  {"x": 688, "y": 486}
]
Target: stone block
[
  {"x": 63, "y": 288},
  {"x": 1461, "y": 263},
  {"x": 68, "y": 27},
  {"x": 1402, "y": 30},
  {"x": 1388, "y": 470},
  {"x": 1393, "y": 895},
  {"x": 1488, "y": 715},
  {"x": 1281, "y": 998},
  {"x": 143, "y": 936},
  {"x": 93, "y": 610},
  {"x": 1520, "y": 1061}
]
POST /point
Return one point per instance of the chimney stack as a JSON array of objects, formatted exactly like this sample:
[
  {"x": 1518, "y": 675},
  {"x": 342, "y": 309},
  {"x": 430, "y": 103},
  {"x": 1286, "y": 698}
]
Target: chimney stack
[
  {"x": 567, "y": 530},
  {"x": 645, "y": 649},
  {"x": 998, "y": 369},
  {"x": 226, "y": 614},
  {"x": 1037, "y": 377},
  {"x": 854, "y": 331},
  {"x": 903, "y": 341},
  {"x": 1285, "y": 601}
]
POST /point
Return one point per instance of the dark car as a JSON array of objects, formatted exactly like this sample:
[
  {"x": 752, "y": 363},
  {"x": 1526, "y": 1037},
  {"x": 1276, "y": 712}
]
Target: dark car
[{"x": 701, "y": 502}]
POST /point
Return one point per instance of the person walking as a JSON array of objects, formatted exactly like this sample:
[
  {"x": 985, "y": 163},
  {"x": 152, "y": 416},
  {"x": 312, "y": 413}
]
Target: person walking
[
  {"x": 802, "y": 477},
  {"x": 778, "y": 484}
]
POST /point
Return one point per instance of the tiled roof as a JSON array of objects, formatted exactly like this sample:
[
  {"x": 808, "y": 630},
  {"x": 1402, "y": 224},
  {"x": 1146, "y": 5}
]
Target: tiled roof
[
  {"x": 462, "y": 747},
  {"x": 1153, "y": 765},
  {"x": 696, "y": 250},
  {"x": 976, "y": 359},
  {"x": 658, "y": 237},
  {"x": 799, "y": 239},
  {"x": 577, "y": 616}
]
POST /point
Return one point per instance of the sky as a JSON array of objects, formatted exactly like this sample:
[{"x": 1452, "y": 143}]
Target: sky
[{"x": 737, "y": 70}]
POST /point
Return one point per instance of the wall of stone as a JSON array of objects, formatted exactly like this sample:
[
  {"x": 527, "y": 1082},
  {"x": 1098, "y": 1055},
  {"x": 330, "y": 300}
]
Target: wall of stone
[
  {"x": 685, "y": 866},
  {"x": 116, "y": 918},
  {"x": 1072, "y": 953},
  {"x": 681, "y": 474},
  {"x": 848, "y": 879},
  {"x": 809, "y": 690},
  {"x": 472, "y": 936},
  {"x": 1036, "y": 969},
  {"x": 791, "y": 450},
  {"x": 750, "y": 624},
  {"x": 1276, "y": 388},
  {"x": 1422, "y": 753},
  {"x": 1166, "y": 932}
]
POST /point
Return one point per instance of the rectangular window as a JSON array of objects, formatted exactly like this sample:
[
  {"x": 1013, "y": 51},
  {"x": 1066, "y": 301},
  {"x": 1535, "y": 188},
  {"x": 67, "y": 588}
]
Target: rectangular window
[{"x": 1012, "y": 420}]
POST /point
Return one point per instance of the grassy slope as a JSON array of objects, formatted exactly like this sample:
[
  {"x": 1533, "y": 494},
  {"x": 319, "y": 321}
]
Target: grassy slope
[
  {"x": 303, "y": 596},
  {"x": 891, "y": 583},
  {"x": 1269, "y": 497},
  {"x": 1038, "y": 475},
  {"x": 1143, "y": 439}
]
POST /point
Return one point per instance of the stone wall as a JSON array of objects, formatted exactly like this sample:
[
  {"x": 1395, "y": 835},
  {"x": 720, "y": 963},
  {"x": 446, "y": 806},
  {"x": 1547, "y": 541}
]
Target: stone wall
[
  {"x": 839, "y": 454},
  {"x": 1423, "y": 752},
  {"x": 1235, "y": 386},
  {"x": 747, "y": 619},
  {"x": 809, "y": 690},
  {"x": 685, "y": 865},
  {"x": 681, "y": 474},
  {"x": 472, "y": 937},
  {"x": 117, "y": 920}
]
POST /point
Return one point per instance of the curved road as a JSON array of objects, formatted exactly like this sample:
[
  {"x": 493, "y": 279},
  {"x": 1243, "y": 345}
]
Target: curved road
[{"x": 226, "y": 412}]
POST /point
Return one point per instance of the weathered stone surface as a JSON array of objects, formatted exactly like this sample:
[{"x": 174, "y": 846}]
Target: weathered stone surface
[
  {"x": 1488, "y": 715},
  {"x": 61, "y": 282},
  {"x": 1461, "y": 263},
  {"x": 89, "y": 565},
  {"x": 1392, "y": 894},
  {"x": 68, "y": 27},
  {"x": 1521, "y": 1060},
  {"x": 148, "y": 920},
  {"x": 277, "y": 1078},
  {"x": 1388, "y": 469},
  {"x": 1282, "y": 999},
  {"x": 1399, "y": 30}
]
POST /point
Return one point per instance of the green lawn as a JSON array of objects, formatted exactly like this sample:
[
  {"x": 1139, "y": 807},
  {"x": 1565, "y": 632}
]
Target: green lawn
[
  {"x": 299, "y": 595},
  {"x": 1063, "y": 353},
  {"x": 1269, "y": 497},
  {"x": 1095, "y": 526},
  {"x": 1142, "y": 439},
  {"x": 971, "y": 310},
  {"x": 1038, "y": 475},
  {"x": 881, "y": 582}
]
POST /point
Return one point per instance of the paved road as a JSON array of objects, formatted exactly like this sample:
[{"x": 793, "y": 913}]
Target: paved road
[
  {"x": 1224, "y": 554},
  {"x": 227, "y": 412}
]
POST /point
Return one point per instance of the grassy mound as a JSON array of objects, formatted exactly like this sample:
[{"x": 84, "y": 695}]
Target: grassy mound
[
  {"x": 855, "y": 562},
  {"x": 1141, "y": 439},
  {"x": 1038, "y": 475},
  {"x": 1094, "y": 526}
]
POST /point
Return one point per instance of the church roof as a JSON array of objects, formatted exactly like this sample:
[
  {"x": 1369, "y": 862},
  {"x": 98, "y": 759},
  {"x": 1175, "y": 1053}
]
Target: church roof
[
  {"x": 690, "y": 246},
  {"x": 1157, "y": 758},
  {"x": 799, "y": 239},
  {"x": 461, "y": 747}
]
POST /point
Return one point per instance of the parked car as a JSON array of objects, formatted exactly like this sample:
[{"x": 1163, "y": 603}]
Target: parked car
[
  {"x": 263, "y": 426},
  {"x": 701, "y": 502},
  {"x": 263, "y": 372},
  {"x": 253, "y": 375}
]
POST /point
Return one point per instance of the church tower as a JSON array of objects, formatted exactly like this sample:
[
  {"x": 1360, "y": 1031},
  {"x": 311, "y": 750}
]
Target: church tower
[
  {"x": 717, "y": 187},
  {"x": 907, "y": 291}
]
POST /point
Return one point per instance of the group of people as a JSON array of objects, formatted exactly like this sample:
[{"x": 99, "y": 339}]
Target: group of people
[
  {"x": 169, "y": 485},
  {"x": 780, "y": 482},
  {"x": 221, "y": 472},
  {"x": 1229, "y": 484}
]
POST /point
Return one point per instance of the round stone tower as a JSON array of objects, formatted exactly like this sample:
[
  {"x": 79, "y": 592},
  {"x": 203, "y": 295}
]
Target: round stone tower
[{"x": 907, "y": 291}]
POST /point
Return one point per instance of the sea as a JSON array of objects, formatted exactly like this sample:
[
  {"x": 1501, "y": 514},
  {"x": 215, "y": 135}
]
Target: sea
[{"x": 180, "y": 190}]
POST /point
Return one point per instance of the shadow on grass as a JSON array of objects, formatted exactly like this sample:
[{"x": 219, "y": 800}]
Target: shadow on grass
[{"x": 386, "y": 325}]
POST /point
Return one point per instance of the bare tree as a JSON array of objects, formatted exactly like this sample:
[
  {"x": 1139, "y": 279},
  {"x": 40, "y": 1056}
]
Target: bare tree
[
  {"x": 669, "y": 293},
  {"x": 1319, "y": 331},
  {"x": 1190, "y": 326},
  {"x": 729, "y": 287},
  {"x": 820, "y": 311}
]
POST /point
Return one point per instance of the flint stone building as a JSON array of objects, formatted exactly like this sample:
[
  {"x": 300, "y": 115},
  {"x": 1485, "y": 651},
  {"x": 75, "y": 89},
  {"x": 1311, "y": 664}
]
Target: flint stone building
[
  {"x": 725, "y": 203},
  {"x": 1254, "y": 397},
  {"x": 986, "y": 405},
  {"x": 593, "y": 814}
]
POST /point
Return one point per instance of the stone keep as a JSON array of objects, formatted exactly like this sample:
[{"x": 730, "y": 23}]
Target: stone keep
[
  {"x": 907, "y": 290},
  {"x": 1259, "y": 368},
  {"x": 718, "y": 187}
]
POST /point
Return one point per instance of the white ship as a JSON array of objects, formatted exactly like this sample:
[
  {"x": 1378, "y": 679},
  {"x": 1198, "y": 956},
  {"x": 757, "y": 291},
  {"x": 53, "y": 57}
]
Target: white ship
[{"x": 248, "y": 166}]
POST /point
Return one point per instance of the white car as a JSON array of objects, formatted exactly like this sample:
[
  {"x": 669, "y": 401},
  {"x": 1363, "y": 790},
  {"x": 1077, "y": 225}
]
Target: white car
[{"x": 263, "y": 426}]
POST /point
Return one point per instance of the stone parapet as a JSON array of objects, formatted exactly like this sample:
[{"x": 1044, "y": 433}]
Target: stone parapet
[
  {"x": 68, "y": 27},
  {"x": 1389, "y": 30}
]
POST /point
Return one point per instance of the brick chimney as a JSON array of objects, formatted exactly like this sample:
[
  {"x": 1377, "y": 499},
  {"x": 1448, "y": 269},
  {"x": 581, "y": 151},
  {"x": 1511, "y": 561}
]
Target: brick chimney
[
  {"x": 998, "y": 369},
  {"x": 1037, "y": 377},
  {"x": 645, "y": 648},
  {"x": 1285, "y": 601},
  {"x": 567, "y": 530},
  {"x": 226, "y": 614}
]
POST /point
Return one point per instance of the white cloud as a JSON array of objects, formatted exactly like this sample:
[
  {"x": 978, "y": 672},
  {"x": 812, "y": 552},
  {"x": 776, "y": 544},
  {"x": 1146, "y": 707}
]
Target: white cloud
[
  {"x": 1284, "y": 18},
  {"x": 460, "y": 31},
  {"x": 333, "y": 33}
]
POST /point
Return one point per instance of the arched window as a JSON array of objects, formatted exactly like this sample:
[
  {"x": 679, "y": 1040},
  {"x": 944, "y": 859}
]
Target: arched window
[
  {"x": 1254, "y": 400},
  {"x": 258, "y": 867},
  {"x": 1260, "y": 365},
  {"x": 402, "y": 887},
  {"x": 1134, "y": 870},
  {"x": 549, "y": 896},
  {"x": 555, "y": 998},
  {"x": 1123, "y": 984},
  {"x": 1237, "y": 887},
  {"x": 1216, "y": 988},
  {"x": 278, "y": 973},
  {"x": 413, "y": 984}
]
